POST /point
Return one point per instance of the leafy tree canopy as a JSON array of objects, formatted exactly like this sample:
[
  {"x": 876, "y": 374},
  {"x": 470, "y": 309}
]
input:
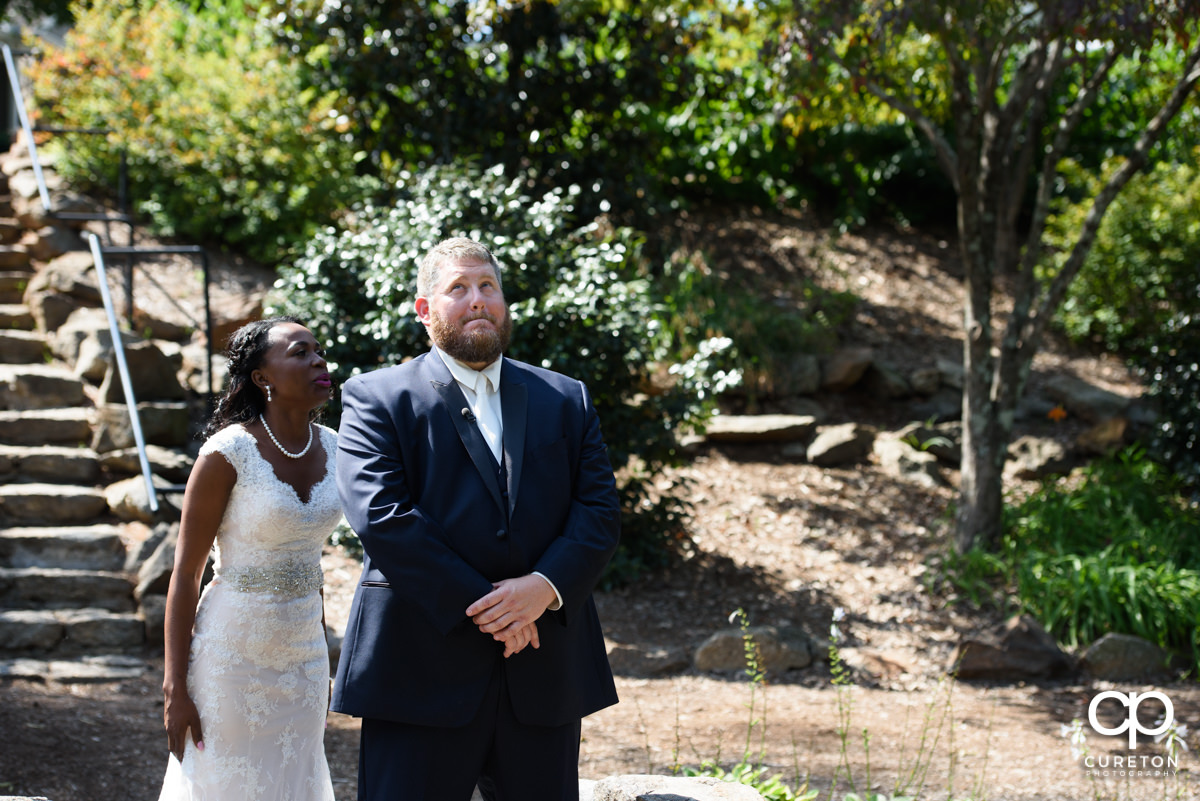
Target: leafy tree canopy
[{"x": 1000, "y": 90}]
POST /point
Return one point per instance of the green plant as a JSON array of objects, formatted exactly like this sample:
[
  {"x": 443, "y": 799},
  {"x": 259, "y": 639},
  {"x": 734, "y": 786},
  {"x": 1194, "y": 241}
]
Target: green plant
[
  {"x": 750, "y": 769},
  {"x": 845, "y": 706},
  {"x": 1141, "y": 271},
  {"x": 222, "y": 142},
  {"x": 581, "y": 302},
  {"x": 766, "y": 335},
  {"x": 1114, "y": 552},
  {"x": 1174, "y": 376}
]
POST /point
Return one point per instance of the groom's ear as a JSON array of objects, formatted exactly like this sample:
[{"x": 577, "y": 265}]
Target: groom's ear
[{"x": 422, "y": 307}]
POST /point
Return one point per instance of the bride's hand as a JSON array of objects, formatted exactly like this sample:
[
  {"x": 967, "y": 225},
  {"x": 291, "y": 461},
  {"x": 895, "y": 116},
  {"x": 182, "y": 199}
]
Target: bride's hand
[{"x": 180, "y": 715}]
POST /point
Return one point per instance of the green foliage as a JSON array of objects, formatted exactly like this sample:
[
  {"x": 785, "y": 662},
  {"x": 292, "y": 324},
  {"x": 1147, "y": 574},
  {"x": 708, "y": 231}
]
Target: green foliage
[
  {"x": 648, "y": 105},
  {"x": 1115, "y": 553},
  {"x": 766, "y": 335},
  {"x": 1141, "y": 271},
  {"x": 771, "y": 787},
  {"x": 574, "y": 92},
  {"x": 32, "y": 10},
  {"x": 581, "y": 304},
  {"x": 223, "y": 142},
  {"x": 1138, "y": 88},
  {"x": 1175, "y": 385},
  {"x": 1138, "y": 294}
]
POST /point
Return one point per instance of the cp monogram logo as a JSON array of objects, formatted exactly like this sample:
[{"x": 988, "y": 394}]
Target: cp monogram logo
[{"x": 1130, "y": 701}]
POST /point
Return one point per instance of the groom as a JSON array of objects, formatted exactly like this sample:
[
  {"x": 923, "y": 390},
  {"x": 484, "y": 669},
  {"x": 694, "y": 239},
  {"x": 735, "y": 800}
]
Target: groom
[{"x": 484, "y": 498}]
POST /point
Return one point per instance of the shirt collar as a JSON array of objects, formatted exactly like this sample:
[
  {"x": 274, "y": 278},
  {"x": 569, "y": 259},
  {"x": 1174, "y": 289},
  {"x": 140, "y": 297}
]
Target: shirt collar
[{"x": 468, "y": 376}]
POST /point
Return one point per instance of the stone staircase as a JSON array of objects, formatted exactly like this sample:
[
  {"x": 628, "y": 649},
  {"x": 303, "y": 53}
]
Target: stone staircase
[{"x": 65, "y": 592}]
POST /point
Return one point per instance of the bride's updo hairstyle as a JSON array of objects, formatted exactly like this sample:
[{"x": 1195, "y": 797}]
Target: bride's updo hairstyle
[{"x": 242, "y": 400}]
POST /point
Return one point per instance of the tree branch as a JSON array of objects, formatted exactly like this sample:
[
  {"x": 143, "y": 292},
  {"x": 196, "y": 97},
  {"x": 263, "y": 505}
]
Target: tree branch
[{"x": 1136, "y": 161}]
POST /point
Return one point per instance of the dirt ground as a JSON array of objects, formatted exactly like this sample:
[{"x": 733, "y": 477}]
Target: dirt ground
[{"x": 788, "y": 543}]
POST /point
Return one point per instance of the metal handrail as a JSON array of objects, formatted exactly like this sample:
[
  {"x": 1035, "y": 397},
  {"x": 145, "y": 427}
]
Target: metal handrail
[
  {"x": 130, "y": 252},
  {"x": 123, "y": 369},
  {"x": 98, "y": 251},
  {"x": 14, "y": 81}
]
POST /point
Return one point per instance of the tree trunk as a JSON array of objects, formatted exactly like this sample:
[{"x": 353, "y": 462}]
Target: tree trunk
[{"x": 981, "y": 499}]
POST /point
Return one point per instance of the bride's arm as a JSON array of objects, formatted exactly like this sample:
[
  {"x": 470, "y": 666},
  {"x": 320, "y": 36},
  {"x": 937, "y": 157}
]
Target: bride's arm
[{"x": 208, "y": 489}]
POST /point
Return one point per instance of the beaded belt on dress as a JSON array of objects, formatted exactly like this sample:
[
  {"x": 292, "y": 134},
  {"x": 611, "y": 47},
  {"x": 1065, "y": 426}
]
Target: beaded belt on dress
[{"x": 292, "y": 579}]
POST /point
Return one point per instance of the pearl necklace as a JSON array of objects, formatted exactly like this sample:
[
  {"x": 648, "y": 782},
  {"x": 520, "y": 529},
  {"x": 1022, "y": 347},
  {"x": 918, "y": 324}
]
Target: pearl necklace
[{"x": 282, "y": 450}]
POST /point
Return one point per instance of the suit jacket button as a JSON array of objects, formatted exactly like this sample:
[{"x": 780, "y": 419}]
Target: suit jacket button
[{"x": 501, "y": 534}]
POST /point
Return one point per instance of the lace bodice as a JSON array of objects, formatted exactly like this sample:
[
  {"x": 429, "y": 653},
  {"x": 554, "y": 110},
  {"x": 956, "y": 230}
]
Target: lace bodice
[{"x": 266, "y": 525}]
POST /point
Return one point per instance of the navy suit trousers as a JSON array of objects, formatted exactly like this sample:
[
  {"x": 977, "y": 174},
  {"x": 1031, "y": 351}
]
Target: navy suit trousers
[{"x": 507, "y": 760}]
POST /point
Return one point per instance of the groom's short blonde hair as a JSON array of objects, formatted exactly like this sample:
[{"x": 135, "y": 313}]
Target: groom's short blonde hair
[{"x": 455, "y": 250}]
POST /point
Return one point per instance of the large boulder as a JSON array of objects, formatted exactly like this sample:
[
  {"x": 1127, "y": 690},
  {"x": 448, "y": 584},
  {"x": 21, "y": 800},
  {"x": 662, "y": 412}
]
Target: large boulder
[
  {"x": 83, "y": 324},
  {"x": 1124, "y": 657},
  {"x": 163, "y": 423},
  {"x": 841, "y": 444},
  {"x": 1031, "y": 457},
  {"x": 1017, "y": 650},
  {"x": 61, "y": 287},
  {"x": 1088, "y": 402},
  {"x": 129, "y": 499},
  {"x": 779, "y": 649},
  {"x": 153, "y": 374},
  {"x": 845, "y": 368},
  {"x": 902, "y": 460},
  {"x": 759, "y": 428}
]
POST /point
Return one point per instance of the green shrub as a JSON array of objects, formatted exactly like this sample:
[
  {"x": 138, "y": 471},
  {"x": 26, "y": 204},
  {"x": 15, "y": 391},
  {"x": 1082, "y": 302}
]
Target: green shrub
[
  {"x": 1174, "y": 378},
  {"x": 766, "y": 335},
  {"x": 1116, "y": 553},
  {"x": 1141, "y": 271},
  {"x": 223, "y": 143},
  {"x": 573, "y": 91},
  {"x": 581, "y": 305}
]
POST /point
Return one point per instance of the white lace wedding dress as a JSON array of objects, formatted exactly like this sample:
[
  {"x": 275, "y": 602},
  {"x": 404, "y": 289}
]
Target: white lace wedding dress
[{"x": 259, "y": 665}]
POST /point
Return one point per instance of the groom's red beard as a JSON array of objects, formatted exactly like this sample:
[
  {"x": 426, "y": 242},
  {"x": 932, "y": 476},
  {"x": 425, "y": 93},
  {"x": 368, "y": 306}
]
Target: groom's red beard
[{"x": 479, "y": 346}]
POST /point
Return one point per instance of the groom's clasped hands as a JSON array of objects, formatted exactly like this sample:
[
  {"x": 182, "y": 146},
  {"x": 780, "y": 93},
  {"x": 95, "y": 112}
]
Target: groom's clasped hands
[{"x": 510, "y": 611}]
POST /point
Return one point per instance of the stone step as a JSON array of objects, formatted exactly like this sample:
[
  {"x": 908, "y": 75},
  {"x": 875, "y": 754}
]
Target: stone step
[
  {"x": 45, "y": 588},
  {"x": 49, "y": 463},
  {"x": 22, "y": 347},
  {"x": 15, "y": 258},
  {"x": 39, "y": 386},
  {"x": 79, "y": 670},
  {"x": 27, "y": 504},
  {"x": 66, "y": 631},
  {"x": 46, "y": 427},
  {"x": 72, "y": 547},
  {"x": 16, "y": 315},
  {"x": 10, "y": 230},
  {"x": 13, "y": 281}
]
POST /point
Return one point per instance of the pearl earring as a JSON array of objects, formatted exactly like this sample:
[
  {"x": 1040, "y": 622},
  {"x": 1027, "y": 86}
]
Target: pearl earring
[{"x": 268, "y": 393}]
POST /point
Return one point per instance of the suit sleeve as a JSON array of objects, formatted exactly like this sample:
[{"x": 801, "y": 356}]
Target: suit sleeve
[
  {"x": 403, "y": 543},
  {"x": 575, "y": 560}
]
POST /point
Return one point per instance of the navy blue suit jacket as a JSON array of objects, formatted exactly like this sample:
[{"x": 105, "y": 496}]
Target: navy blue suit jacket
[{"x": 420, "y": 488}]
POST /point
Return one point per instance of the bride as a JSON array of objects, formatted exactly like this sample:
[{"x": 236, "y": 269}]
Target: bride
[{"x": 246, "y": 684}]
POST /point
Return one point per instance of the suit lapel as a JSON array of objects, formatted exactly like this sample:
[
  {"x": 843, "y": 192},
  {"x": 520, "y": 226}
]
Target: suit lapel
[
  {"x": 514, "y": 403},
  {"x": 453, "y": 401}
]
